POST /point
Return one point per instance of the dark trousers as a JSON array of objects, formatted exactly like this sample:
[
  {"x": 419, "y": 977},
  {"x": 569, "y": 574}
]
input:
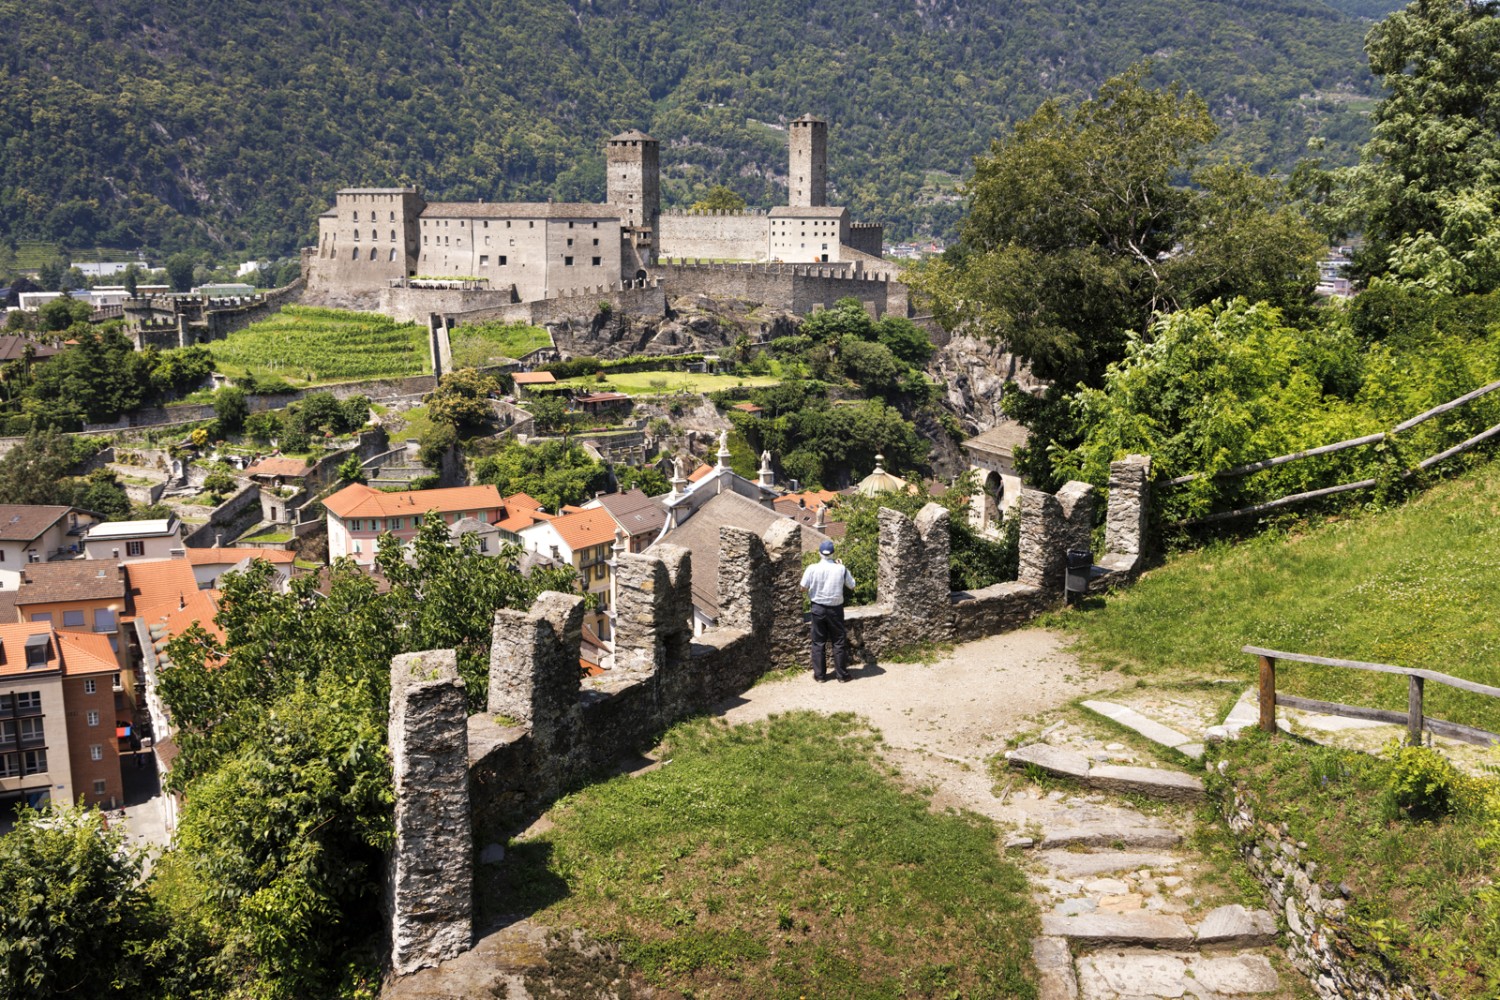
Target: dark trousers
[{"x": 828, "y": 627}]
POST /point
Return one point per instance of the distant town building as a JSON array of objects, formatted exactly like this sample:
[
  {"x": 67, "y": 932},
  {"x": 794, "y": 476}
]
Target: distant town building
[
  {"x": 130, "y": 541},
  {"x": 33, "y": 533},
  {"x": 358, "y": 515}
]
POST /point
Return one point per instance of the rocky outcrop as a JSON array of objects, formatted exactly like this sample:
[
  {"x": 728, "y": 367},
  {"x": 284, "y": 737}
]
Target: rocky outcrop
[
  {"x": 973, "y": 372},
  {"x": 694, "y": 325}
]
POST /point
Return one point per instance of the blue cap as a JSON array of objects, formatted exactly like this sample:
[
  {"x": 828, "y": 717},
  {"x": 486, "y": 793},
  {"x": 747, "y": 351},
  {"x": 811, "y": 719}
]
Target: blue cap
[{"x": 826, "y": 548}]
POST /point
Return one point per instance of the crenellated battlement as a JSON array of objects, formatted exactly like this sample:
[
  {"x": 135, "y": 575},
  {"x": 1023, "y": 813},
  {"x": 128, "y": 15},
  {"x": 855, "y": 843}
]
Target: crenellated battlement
[{"x": 546, "y": 729}]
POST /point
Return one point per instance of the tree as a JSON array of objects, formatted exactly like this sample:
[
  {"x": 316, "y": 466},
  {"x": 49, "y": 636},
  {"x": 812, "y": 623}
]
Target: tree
[
  {"x": 74, "y": 918},
  {"x": 549, "y": 412},
  {"x": 719, "y": 199},
  {"x": 263, "y": 426},
  {"x": 553, "y": 473},
  {"x": 1079, "y": 233},
  {"x": 351, "y": 470},
  {"x": 646, "y": 478},
  {"x": 33, "y": 472},
  {"x": 230, "y": 408},
  {"x": 1429, "y": 181},
  {"x": 180, "y": 272},
  {"x": 99, "y": 491},
  {"x": 60, "y": 314},
  {"x": 132, "y": 280},
  {"x": 462, "y": 400}
]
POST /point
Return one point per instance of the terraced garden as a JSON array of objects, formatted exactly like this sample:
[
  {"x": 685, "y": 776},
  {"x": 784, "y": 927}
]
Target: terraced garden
[{"x": 309, "y": 346}]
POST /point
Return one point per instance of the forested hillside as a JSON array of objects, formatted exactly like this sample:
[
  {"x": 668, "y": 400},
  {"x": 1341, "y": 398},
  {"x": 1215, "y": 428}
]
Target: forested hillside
[{"x": 135, "y": 123}]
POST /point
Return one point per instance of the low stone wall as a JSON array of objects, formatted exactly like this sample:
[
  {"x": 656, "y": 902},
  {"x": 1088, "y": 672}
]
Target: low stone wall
[
  {"x": 800, "y": 288},
  {"x": 230, "y": 518},
  {"x": 544, "y": 732},
  {"x": 1315, "y": 913}
]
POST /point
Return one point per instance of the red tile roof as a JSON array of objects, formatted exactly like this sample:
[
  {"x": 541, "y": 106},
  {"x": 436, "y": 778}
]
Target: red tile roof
[
  {"x": 533, "y": 378},
  {"x": 159, "y": 584},
  {"x": 358, "y": 500},
  {"x": 699, "y": 473},
  {"x": 70, "y": 580},
  {"x": 585, "y": 528},
  {"x": 288, "y": 468},
  {"x": 74, "y": 653},
  {"x": 220, "y": 556}
]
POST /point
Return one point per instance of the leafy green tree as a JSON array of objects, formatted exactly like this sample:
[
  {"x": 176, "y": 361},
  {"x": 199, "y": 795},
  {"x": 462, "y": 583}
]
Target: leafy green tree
[
  {"x": 50, "y": 275},
  {"x": 132, "y": 280},
  {"x": 74, "y": 918},
  {"x": 719, "y": 199},
  {"x": 60, "y": 314},
  {"x": 871, "y": 366},
  {"x": 99, "y": 491},
  {"x": 263, "y": 426},
  {"x": 319, "y": 412},
  {"x": 549, "y": 412},
  {"x": 553, "y": 473},
  {"x": 351, "y": 470},
  {"x": 1429, "y": 183},
  {"x": 36, "y": 470},
  {"x": 230, "y": 409},
  {"x": 462, "y": 400},
  {"x": 646, "y": 478},
  {"x": 355, "y": 411},
  {"x": 180, "y": 272}
]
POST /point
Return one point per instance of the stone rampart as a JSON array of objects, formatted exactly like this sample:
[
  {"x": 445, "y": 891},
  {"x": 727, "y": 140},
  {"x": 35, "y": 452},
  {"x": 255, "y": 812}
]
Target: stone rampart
[
  {"x": 800, "y": 288},
  {"x": 714, "y": 235},
  {"x": 546, "y": 731}
]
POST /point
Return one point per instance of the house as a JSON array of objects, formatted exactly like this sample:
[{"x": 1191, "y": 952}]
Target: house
[
  {"x": 599, "y": 403},
  {"x": 527, "y": 381},
  {"x": 993, "y": 457},
  {"x": 486, "y": 535},
  {"x": 700, "y": 536},
  {"x": 76, "y": 595},
  {"x": 358, "y": 515},
  {"x": 634, "y": 513},
  {"x": 36, "y": 533},
  {"x": 130, "y": 541},
  {"x": 583, "y": 539},
  {"x": 57, "y": 718},
  {"x": 209, "y": 565},
  {"x": 280, "y": 480},
  {"x": 689, "y": 493},
  {"x": 14, "y": 348}
]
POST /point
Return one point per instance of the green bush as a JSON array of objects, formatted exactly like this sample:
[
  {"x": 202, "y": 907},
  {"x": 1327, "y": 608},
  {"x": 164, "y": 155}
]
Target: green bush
[{"x": 1422, "y": 785}]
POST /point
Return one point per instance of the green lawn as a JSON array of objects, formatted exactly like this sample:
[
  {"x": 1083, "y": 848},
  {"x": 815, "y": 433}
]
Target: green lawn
[
  {"x": 1417, "y": 586},
  {"x": 654, "y": 382},
  {"x": 495, "y": 343},
  {"x": 416, "y": 424},
  {"x": 779, "y": 860},
  {"x": 309, "y": 346}
]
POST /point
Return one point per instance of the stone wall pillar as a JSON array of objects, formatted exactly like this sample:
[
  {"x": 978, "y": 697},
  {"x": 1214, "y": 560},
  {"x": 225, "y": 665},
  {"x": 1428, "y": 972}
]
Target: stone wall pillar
[
  {"x": 430, "y": 878},
  {"x": 1050, "y": 525},
  {"x": 786, "y": 632},
  {"x": 744, "y": 580},
  {"x": 1129, "y": 509},
  {"x": 534, "y": 668},
  {"x": 913, "y": 570},
  {"x": 653, "y": 609}
]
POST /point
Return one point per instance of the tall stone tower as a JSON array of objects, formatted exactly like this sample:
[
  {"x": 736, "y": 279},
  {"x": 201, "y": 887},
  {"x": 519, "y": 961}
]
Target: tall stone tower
[
  {"x": 633, "y": 177},
  {"x": 807, "y": 179}
]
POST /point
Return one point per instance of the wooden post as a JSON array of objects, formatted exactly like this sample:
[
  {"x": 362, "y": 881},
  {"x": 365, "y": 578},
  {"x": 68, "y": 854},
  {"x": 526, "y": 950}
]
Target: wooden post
[
  {"x": 1268, "y": 694},
  {"x": 1414, "y": 710}
]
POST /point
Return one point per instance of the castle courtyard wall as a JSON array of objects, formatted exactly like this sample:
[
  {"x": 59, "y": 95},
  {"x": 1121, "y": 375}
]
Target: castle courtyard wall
[{"x": 714, "y": 235}]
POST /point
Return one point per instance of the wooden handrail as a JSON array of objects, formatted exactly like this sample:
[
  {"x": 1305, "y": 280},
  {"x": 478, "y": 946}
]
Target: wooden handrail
[{"x": 1416, "y": 682}]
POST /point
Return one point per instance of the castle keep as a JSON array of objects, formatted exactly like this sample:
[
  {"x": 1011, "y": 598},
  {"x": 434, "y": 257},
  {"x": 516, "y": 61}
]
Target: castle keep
[{"x": 392, "y": 247}]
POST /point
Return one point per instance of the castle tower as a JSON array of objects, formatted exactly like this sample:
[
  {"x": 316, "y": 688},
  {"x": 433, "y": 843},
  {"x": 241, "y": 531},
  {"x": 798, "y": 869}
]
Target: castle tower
[
  {"x": 633, "y": 177},
  {"x": 807, "y": 176}
]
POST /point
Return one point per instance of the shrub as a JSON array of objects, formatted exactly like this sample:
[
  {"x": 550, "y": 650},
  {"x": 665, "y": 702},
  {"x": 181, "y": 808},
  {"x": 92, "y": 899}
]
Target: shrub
[{"x": 1424, "y": 786}]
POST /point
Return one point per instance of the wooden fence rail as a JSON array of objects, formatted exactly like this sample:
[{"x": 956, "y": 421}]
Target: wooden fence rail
[
  {"x": 1414, "y": 718},
  {"x": 1329, "y": 449}
]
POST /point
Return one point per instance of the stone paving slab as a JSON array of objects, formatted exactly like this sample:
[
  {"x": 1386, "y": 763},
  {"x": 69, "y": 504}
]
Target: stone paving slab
[
  {"x": 1235, "y": 926},
  {"x": 1131, "y": 719},
  {"x": 1152, "y": 930},
  {"x": 1054, "y": 965},
  {"x": 1071, "y": 864},
  {"x": 1235, "y": 975},
  {"x": 1053, "y": 760},
  {"x": 1157, "y": 782},
  {"x": 1110, "y": 835},
  {"x": 1132, "y": 974}
]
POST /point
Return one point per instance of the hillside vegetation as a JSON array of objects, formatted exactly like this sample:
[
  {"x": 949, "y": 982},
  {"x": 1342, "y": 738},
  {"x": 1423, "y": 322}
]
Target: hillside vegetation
[
  {"x": 230, "y": 125},
  {"x": 1415, "y": 586}
]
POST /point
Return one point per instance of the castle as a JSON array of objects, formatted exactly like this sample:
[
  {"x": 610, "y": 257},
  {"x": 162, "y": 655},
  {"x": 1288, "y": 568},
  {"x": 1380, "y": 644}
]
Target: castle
[{"x": 384, "y": 244}]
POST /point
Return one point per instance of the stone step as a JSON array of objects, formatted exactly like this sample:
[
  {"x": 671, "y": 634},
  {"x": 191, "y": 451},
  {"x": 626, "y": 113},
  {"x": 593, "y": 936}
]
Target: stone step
[
  {"x": 1149, "y": 728},
  {"x": 1056, "y": 979},
  {"x": 1234, "y": 926},
  {"x": 1144, "y": 836},
  {"x": 1147, "y": 930},
  {"x": 1139, "y": 974},
  {"x": 1074, "y": 865},
  {"x": 1162, "y": 783}
]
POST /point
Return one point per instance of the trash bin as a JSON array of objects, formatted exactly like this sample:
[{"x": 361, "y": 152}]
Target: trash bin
[{"x": 1079, "y": 562}]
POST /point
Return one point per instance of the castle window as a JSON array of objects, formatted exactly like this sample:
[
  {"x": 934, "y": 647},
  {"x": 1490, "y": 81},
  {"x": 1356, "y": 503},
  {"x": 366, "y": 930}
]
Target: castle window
[
  {"x": 570, "y": 225},
  {"x": 393, "y": 216},
  {"x": 596, "y": 243},
  {"x": 507, "y": 223},
  {"x": 460, "y": 223},
  {"x": 393, "y": 236},
  {"x": 356, "y": 216},
  {"x": 531, "y": 224},
  {"x": 486, "y": 223},
  {"x": 372, "y": 253},
  {"x": 570, "y": 241},
  {"x": 424, "y": 239},
  {"x": 484, "y": 260},
  {"x": 597, "y": 260},
  {"x": 356, "y": 236},
  {"x": 486, "y": 241},
  {"x": 500, "y": 260},
  {"x": 354, "y": 254},
  {"x": 568, "y": 261},
  {"x": 393, "y": 253}
]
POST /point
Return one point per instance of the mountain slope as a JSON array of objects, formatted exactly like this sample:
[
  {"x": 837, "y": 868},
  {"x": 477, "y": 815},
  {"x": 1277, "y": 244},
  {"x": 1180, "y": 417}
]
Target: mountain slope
[{"x": 137, "y": 123}]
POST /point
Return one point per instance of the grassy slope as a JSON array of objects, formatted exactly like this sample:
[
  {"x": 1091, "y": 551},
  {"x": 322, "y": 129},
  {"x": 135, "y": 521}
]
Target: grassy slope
[
  {"x": 307, "y": 346},
  {"x": 778, "y": 860},
  {"x": 493, "y": 343},
  {"x": 639, "y": 383},
  {"x": 1418, "y": 586}
]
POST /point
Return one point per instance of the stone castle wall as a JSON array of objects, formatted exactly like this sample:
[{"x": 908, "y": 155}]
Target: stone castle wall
[
  {"x": 867, "y": 237},
  {"x": 544, "y": 732},
  {"x": 714, "y": 235},
  {"x": 801, "y": 288}
]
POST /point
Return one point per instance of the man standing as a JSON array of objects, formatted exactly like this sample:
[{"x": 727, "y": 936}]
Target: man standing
[{"x": 824, "y": 582}]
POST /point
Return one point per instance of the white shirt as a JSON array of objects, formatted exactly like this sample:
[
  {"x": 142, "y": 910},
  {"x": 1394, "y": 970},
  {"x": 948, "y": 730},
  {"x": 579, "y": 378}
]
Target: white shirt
[{"x": 825, "y": 581}]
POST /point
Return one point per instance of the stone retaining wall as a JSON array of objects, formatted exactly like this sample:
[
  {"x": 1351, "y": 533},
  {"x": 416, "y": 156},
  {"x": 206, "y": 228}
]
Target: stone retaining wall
[{"x": 1314, "y": 911}]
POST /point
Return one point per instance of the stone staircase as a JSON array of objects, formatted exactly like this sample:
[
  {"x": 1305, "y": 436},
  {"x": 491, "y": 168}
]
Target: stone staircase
[{"x": 1127, "y": 911}]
